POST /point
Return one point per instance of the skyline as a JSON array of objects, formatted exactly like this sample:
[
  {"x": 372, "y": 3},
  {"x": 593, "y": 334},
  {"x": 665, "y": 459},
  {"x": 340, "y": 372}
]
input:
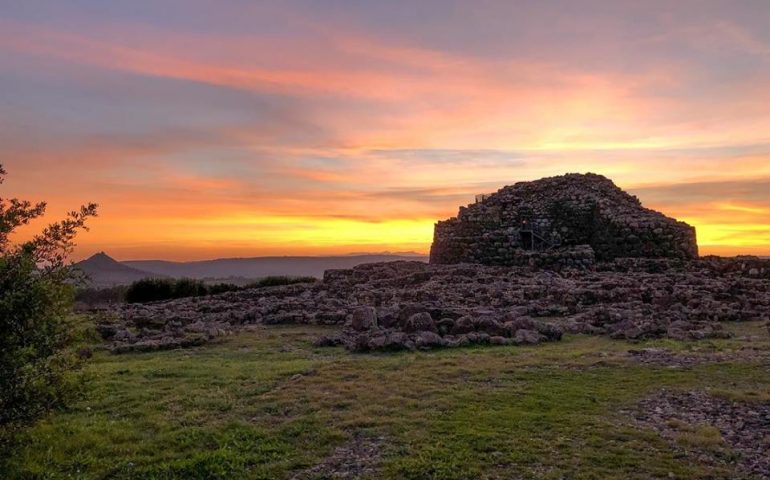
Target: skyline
[{"x": 234, "y": 129}]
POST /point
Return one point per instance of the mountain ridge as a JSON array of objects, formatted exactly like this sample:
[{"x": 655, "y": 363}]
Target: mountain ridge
[
  {"x": 256, "y": 267},
  {"x": 101, "y": 270},
  {"x": 104, "y": 271}
]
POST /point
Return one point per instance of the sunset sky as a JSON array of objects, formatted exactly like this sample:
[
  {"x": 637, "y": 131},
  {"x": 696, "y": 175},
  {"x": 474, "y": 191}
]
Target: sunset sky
[{"x": 243, "y": 128}]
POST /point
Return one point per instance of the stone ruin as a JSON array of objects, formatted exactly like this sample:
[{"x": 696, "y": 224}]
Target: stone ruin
[
  {"x": 570, "y": 220},
  {"x": 570, "y": 254},
  {"x": 408, "y": 305}
]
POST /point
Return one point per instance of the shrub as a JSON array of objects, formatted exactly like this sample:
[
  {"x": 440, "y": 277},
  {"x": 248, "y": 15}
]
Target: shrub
[
  {"x": 158, "y": 289},
  {"x": 35, "y": 310},
  {"x": 218, "y": 288},
  {"x": 101, "y": 296},
  {"x": 150, "y": 290},
  {"x": 188, "y": 287}
]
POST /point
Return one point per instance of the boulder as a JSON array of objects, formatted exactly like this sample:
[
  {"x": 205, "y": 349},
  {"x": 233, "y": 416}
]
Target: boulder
[
  {"x": 445, "y": 325},
  {"x": 426, "y": 339},
  {"x": 550, "y": 331},
  {"x": 328, "y": 341},
  {"x": 497, "y": 340},
  {"x": 490, "y": 326},
  {"x": 363, "y": 319},
  {"x": 378, "y": 342},
  {"x": 359, "y": 343},
  {"x": 420, "y": 322},
  {"x": 106, "y": 330},
  {"x": 527, "y": 337},
  {"x": 463, "y": 325},
  {"x": 399, "y": 340},
  {"x": 513, "y": 324}
]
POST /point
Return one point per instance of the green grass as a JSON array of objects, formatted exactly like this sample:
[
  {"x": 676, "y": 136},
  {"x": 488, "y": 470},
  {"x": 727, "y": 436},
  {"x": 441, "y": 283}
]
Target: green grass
[
  {"x": 266, "y": 404},
  {"x": 700, "y": 436}
]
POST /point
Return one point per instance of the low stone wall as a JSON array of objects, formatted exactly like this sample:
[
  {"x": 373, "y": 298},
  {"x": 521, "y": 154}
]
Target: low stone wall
[
  {"x": 653, "y": 236},
  {"x": 581, "y": 257},
  {"x": 740, "y": 266},
  {"x": 745, "y": 265}
]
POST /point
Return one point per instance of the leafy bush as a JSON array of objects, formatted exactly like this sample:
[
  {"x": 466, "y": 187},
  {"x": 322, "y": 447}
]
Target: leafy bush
[
  {"x": 35, "y": 310},
  {"x": 32, "y": 359}
]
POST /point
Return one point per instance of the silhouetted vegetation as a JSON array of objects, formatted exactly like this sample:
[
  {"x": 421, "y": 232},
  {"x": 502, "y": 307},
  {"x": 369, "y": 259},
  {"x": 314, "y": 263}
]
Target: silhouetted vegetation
[
  {"x": 157, "y": 289},
  {"x": 222, "y": 288},
  {"x": 274, "y": 281},
  {"x": 36, "y": 298},
  {"x": 151, "y": 290},
  {"x": 101, "y": 296}
]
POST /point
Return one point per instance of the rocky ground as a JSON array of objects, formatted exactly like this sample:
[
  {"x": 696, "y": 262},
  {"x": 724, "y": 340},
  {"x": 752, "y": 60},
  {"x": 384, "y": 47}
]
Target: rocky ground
[
  {"x": 712, "y": 429},
  {"x": 358, "y": 458},
  {"x": 407, "y": 305}
]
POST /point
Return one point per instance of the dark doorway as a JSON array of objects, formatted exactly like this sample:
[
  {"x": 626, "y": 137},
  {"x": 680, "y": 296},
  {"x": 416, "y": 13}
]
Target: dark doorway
[{"x": 527, "y": 239}]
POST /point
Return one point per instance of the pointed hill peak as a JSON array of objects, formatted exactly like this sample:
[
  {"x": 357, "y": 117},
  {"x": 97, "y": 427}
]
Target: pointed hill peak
[{"x": 103, "y": 270}]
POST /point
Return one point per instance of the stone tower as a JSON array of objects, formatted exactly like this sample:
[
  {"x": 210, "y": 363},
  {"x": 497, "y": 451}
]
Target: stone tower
[{"x": 559, "y": 213}]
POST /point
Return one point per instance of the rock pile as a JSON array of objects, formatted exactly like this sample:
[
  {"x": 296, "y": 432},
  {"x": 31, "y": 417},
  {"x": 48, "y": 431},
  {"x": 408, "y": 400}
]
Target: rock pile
[
  {"x": 417, "y": 305},
  {"x": 556, "y": 212},
  {"x": 408, "y": 331}
]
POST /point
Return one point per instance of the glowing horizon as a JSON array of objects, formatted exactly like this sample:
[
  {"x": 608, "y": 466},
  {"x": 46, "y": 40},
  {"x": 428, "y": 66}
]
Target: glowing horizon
[{"x": 224, "y": 129}]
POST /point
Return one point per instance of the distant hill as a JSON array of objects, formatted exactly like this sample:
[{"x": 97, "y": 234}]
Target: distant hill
[
  {"x": 104, "y": 271},
  {"x": 387, "y": 253},
  {"x": 257, "y": 267}
]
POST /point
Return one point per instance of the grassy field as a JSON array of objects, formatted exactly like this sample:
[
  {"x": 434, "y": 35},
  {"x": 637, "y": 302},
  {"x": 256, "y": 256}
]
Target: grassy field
[{"x": 267, "y": 405}]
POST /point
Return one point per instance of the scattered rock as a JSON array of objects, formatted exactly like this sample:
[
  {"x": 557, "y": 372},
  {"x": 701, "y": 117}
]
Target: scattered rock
[
  {"x": 358, "y": 458},
  {"x": 699, "y": 425},
  {"x": 328, "y": 341}
]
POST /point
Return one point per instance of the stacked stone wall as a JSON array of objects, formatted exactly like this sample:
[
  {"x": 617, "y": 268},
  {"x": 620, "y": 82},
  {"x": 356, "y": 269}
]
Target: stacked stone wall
[{"x": 581, "y": 257}]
